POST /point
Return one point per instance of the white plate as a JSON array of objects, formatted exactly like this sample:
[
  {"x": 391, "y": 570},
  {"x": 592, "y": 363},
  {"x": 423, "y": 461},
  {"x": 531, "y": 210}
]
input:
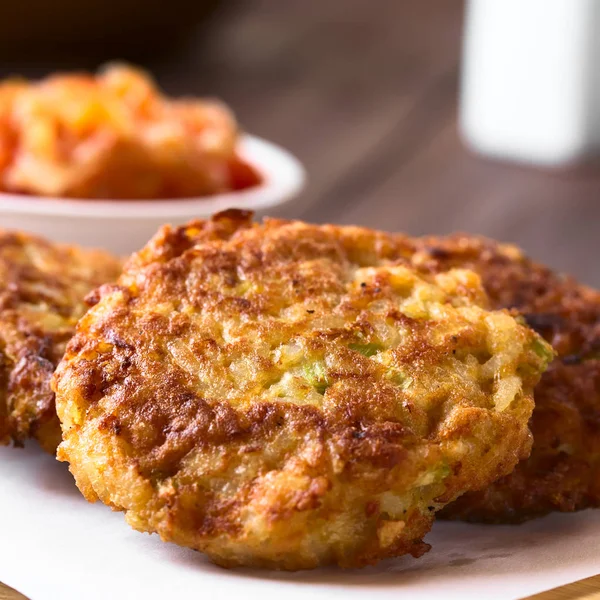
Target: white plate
[
  {"x": 56, "y": 546},
  {"x": 123, "y": 226}
]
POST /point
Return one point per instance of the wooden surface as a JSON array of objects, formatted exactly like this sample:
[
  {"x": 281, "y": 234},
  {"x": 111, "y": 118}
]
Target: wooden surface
[
  {"x": 7, "y": 593},
  {"x": 364, "y": 93},
  {"x": 586, "y": 589}
]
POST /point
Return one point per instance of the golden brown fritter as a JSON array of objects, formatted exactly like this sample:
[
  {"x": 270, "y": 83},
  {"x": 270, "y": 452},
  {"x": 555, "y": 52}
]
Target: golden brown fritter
[
  {"x": 285, "y": 395},
  {"x": 42, "y": 288},
  {"x": 563, "y": 471}
]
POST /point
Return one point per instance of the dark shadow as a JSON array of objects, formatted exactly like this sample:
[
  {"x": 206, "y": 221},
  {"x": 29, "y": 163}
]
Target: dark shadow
[
  {"x": 44, "y": 470},
  {"x": 37, "y": 37},
  {"x": 57, "y": 479}
]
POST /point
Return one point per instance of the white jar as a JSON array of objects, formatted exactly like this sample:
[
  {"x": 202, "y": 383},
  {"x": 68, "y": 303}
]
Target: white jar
[{"x": 530, "y": 86}]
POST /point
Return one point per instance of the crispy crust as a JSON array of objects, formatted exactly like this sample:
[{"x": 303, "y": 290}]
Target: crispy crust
[
  {"x": 42, "y": 288},
  {"x": 563, "y": 471},
  {"x": 287, "y": 395}
]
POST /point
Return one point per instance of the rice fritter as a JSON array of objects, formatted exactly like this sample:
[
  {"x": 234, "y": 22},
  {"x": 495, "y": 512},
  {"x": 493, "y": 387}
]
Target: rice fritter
[
  {"x": 563, "y": 471},
  {"x": 42, "y": 291},
  {"x": 286, "y": 395}
]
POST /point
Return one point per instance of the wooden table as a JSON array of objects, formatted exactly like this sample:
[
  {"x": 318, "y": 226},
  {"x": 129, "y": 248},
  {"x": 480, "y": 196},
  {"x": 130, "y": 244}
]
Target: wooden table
[
  {"x": 364, "y": 93},
  {"x": 365, "y": 96},
  {"x": 7, "y": 593}
]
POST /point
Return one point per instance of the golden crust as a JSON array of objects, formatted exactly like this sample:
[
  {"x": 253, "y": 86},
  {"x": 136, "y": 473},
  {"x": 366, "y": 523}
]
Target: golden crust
[
  {"x": 563, "y": 471},
  {"x": 287, "y": 395},
  {"x": 42, "y": 290}
]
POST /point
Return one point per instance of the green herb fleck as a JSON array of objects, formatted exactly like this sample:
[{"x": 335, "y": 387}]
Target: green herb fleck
[
  {"x": 543, "y": 350},
  {"x": 443, "y": 471},
  {"x": 521, "y": 320},
  {"x": 366, "y": 349},
  {"x": 316, "y": 375},
  {"x": 399, "y": 378}
]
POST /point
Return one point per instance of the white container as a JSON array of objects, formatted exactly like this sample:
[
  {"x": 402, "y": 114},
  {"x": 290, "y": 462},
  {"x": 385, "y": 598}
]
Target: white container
[
  {"x": 531, "y": 79},
  {"x": 123, "y": 226}
]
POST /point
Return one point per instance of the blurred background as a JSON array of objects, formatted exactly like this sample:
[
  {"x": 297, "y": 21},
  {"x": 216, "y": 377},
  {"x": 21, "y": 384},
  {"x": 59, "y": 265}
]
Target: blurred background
[{"x": 363, "y": 93}]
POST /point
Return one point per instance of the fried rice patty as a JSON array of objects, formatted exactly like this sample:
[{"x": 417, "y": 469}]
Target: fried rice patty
[
  {"x": 287, "y": 395},
  {"x": 42, "y": 290},
  {"x": 563, "y": 471}
]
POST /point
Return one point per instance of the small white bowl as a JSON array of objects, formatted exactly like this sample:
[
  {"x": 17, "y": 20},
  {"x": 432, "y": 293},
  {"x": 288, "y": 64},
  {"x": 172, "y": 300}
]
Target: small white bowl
[{"x": 123, "y": 226}]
